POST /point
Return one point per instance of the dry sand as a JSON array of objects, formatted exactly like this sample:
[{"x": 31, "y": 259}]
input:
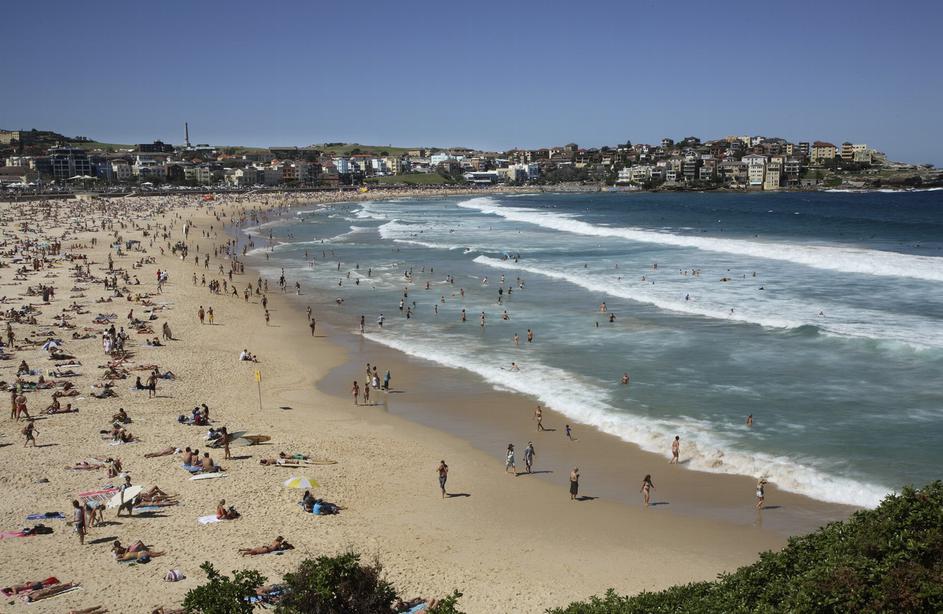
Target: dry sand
[{"x": 509, "y": 544}]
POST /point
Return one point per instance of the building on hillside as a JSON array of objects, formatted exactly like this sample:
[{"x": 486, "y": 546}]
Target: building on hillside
[
  {"x": 482, "y": 177},
  {"x": 862, "y": 153},
  {"x": 822, "y": 150},
  {"x": 734, "y": 172},
  {"x": 773, "y": 176},
  {"x": 689, "y": 169},
  {"x": 847, "y": 151},
  {"x": 805, "y": 149},
  {"x": 8, "y": 136},
  {"x": 103, "y": 170},
  {"x": 120, "y": 170},
  {"x": 10, "y": 175},
  {"x": 69, "y": 162},
  {"x": 756, "y": 170},
  {"x": 23, "y": 161},
  {"x": 342, "y": 165},
  {"x": 792, "y": 170},
  {"x": 155, "y": 147}
]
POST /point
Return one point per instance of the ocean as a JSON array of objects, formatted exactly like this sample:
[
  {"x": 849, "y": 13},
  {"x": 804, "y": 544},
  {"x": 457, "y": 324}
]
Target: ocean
[{"x": 821, "y": 314}]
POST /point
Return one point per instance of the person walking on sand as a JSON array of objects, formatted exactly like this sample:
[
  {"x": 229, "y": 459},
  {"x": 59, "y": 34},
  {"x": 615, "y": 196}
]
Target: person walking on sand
[
  {"x": 312, "y": 325},
  {"x": 539, "y": 417},
  {"x": 569, "y": 433},
  {"x": 529, "y": 455},
  {"x": 443, "y": 476},
  {"x": 201, "y": 314},
  {"x": 760, "y": 493},
  {"x": 78, "y": 521},
  {"x": 209, "y": 315},
  {"x": 647, "y": 487},
  {"x": 366, "y": 392},
  {"x": 355, "y": 390},
  {"x": 267, "y": 317},
  {"x": 574, "y": 483},
  {"x": 509, "y": 460},
  {"x": 675, "y": 450},
  {"x": 30, "y": 432}
]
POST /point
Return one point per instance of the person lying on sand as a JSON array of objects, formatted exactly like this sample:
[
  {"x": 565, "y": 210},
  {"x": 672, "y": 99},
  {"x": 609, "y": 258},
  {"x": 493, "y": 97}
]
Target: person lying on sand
[
  {"x": 154, "y": 495},
  {"x": 276, "y": 546},
  {"x": 117, "y": 549},
  {"x": 296, "y": 457},
  {"x": 86, "y": 465},
  {"x": 56, "y": 408},
  {"x": 97, "y": 609},
  {"x": 50, "y": 591},
  {"x": 164, "y": 452}
]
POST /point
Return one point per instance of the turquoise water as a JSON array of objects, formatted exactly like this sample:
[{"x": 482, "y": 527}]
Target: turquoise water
[{"x": 819, "y": 314}]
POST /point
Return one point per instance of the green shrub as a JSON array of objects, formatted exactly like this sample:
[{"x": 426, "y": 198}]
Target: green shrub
[
  {"x": 221, "y": 595},
  {"x": 889, "y": 559},
  {"x": 337, "y": 585}
]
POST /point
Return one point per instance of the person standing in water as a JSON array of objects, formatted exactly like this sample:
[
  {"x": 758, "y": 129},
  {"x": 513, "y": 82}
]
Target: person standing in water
[
  {"x": 675, "y": 450},
  {"x": 750, "y": 420},
  {"x": 647, "y": 487}
]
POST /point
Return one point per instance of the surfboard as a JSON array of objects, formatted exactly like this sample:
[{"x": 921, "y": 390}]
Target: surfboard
[
  {"x": 256, "y": 439},
  {"x": 250, "y": 440},
  {"x": 123, "y": 497},
  {"x": 210, "y": 476}
]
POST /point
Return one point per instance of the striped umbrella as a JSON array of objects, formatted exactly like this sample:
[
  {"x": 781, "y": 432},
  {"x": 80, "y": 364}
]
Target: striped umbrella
[{"x": 300, "y": 483}]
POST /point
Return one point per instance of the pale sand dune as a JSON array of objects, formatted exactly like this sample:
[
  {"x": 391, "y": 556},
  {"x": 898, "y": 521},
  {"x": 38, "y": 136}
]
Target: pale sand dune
[{"x": 512, "y": 545}]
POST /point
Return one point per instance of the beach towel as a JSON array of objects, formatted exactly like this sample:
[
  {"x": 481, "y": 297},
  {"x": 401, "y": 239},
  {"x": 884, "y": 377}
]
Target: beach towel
[
  {"x": 29, "y": 599},
  {"x": 149, "y": 508},
  {"x": 416, "y": 609},
  {"x": 208, "y": 519},
  {"x": 174, "y": 575},
  {"x": 12, "y": 534},
  {"x": 46, "y": 516},
  {"x": 8, "y": 591},
  {"x": 191, "y": 468}
]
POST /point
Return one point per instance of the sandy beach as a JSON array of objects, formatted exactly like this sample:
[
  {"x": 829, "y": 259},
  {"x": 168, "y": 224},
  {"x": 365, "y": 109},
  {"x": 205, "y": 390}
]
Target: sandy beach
[{"x": 508, "y": 543}]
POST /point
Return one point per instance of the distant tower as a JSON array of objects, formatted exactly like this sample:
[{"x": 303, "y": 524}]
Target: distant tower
[{"x": 186, "y": 134}]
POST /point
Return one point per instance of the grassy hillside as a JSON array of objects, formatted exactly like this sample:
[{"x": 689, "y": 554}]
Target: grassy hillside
[
  {"x": 885, "y": 560},
  {"x": 345, "y": 149}
]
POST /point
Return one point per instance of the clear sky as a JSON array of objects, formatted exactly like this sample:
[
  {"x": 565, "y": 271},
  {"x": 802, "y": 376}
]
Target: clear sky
[{"x": 483, "y": 74}]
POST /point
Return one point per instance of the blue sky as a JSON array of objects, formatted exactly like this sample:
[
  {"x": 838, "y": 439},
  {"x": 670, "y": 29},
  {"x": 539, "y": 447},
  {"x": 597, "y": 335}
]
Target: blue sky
[{"x": 490, "y": 75}]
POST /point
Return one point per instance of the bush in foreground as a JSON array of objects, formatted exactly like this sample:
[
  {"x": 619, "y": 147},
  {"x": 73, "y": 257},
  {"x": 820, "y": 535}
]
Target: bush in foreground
[
  {"x": 325, "y": 585},
  {"x": 889, "y": 559}
]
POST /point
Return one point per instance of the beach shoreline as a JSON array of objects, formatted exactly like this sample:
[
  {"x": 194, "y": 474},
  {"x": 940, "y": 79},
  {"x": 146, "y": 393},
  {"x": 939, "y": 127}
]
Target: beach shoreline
[
  {"x": 485, "y": 417},
  {"x": 509, "y": 544}
]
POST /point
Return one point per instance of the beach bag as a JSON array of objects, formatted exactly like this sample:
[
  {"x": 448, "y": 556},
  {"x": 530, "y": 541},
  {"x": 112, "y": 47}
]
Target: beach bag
[{"x": 174, "y": 575}]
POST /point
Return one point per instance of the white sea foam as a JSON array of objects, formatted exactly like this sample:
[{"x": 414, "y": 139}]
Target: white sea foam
[
  {"x": 916, "y": 333},
  {"x": 585, "y": 401},
  {"x": 844, "y": 259}
]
